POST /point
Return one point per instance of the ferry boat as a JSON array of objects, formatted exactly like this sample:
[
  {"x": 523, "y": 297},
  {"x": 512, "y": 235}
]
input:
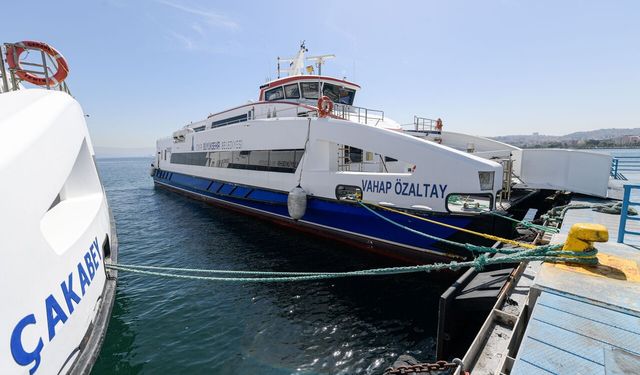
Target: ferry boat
[
  {"x": 57, "y": 229},
  {"x": 303, "y": 155}
]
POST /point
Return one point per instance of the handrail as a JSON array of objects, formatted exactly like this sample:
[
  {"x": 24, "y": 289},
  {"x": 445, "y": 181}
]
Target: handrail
[
  {"x": 626, "y": 202},
  {"x": 361, "y": 114},
  {"x": 423, "y": 123},
  {"x": 621, "y": 164}
]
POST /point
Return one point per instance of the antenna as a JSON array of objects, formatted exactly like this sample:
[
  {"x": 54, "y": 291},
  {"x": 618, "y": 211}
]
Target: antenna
[
  {"x": 296, "y": 64},
  {"x": 320, "y": 60}
]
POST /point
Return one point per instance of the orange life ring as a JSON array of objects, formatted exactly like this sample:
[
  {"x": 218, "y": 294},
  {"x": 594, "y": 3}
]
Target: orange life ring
[
  {"x": 439, "y": 124},
  {"x": 325, "y": 106},
  {"x": 13, "y": 59}
]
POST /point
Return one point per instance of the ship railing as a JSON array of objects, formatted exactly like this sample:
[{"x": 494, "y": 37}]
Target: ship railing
[
  {"x": 626, "y": 202},
  {"x": 9, "y": 80},
  {"x": 358, "y": 114},
  {"x": 421, "y": 124},
  {"x": 622, "y": 164}
]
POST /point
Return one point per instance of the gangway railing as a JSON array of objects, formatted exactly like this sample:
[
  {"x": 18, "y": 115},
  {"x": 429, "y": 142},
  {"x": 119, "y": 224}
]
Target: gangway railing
[
  {"x": 9, "y": 80},
  {"x": 358, "y": 114},
  {"x": 624, "y": 213},
  {"x": 621, "y": 164},
  {"x": 423, "y": 123}
]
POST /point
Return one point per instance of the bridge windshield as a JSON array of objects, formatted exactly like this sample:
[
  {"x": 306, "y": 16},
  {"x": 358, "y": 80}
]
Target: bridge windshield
[
  {"x": 338, "y": 94},
  {"x": 310, "y": 90}
]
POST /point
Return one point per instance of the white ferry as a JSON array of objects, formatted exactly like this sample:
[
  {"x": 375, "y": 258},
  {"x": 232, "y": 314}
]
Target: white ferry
[
  {"x": 303, "y": 155},
  {"x": 57, "y": 229}
]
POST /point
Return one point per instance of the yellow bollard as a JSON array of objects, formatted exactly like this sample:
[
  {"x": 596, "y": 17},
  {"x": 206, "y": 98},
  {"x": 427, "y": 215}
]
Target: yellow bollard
[{"x": 582, "y": 236}]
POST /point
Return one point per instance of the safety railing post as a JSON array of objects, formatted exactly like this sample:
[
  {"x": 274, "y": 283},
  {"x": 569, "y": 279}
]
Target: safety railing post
[
  {"x": 623, "y": 213},
  {"x": 5, "y": 83}
]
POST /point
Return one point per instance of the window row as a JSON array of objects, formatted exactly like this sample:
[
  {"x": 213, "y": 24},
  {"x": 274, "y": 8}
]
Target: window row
[
  {"x": 310, "y": 90},
  {"x": 284, "y": 161}
]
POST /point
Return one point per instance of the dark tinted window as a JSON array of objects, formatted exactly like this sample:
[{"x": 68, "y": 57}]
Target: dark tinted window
[
  {"x": 285, "y": 161},
  {"x": 229, "y": 120},
  {"x": 292, "y": 91},
  {"x": 338, "y": 94},
  {"x": 274, "y": 94},
  {"x": 354, "y": 155},
  {"x": 310, "y": 90},
  {"x": 348, "y": 192}
]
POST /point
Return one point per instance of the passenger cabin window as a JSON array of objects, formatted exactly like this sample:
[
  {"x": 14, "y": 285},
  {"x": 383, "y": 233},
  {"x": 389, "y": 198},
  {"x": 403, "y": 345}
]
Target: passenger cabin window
[
  {"x": 338, "y": 94},
  {"x": 310, "y": 90},
  {"x": 292, "y": 91},
  {"x": 274, "y": 94},
  {"x": 283, "y": 161}
]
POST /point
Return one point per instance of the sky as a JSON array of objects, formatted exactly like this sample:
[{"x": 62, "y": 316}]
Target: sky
[{"x": 142, "y": 69}]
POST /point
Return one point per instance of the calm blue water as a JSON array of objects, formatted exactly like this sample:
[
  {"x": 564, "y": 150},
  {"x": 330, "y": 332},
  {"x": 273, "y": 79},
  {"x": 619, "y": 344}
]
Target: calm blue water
[{"x": 349, "y": 326}]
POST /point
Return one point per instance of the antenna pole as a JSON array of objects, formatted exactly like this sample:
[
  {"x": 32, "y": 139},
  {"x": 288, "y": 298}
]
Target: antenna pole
[{"x": 278, "y": 67}]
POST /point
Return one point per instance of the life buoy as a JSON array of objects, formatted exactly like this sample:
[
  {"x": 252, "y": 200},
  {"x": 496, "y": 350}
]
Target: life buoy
[
  {"x": 325, "y": 106},
  {"x": 13, "y": 59}
]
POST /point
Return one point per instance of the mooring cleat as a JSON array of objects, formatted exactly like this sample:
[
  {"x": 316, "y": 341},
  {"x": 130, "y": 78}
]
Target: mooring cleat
[{"x": 582, "y": 236}]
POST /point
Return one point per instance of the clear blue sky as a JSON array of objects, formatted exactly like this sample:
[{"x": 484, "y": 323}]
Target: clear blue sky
[{"x": 141, "y": 69}]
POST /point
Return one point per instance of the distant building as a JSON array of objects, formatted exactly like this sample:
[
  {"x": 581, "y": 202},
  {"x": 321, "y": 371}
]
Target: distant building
[{"x": 630, "y": 139}]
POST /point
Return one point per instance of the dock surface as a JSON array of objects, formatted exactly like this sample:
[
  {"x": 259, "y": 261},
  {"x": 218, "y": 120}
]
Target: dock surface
[{"x": 586, "y": 320}]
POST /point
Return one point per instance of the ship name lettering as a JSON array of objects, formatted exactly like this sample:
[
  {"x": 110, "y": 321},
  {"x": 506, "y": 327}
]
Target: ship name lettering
[
  {"x": 53, "y": 311},
  {"x": 407, "y": 189}
]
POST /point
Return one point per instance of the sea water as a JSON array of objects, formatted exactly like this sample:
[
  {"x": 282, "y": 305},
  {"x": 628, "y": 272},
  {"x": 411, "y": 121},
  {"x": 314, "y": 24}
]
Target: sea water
[{"x": 170, "y": 326}]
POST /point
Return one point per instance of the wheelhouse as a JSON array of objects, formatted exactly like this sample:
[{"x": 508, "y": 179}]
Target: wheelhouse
[{"x": 307, "y": 89}]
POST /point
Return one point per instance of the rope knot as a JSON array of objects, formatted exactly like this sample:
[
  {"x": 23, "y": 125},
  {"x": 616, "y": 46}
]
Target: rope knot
[{"x": 480, "y": 262}]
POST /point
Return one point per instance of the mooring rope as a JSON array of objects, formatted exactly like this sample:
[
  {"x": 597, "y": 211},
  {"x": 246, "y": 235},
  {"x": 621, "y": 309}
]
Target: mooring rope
[
  {"x": 479, "y": 234},
  {"x": 479, "y": 263},
  {"x": 546, "y": 253},
  {"x": 526, "y": 223}
]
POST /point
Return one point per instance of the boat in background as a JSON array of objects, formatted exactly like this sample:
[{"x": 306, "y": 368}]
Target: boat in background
[
  {"x": 304, "y": 156},
  {"x": 57, "y": 229}
]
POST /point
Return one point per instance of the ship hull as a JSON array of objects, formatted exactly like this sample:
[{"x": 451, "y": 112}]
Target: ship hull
[{"x": 342, "y": 221}]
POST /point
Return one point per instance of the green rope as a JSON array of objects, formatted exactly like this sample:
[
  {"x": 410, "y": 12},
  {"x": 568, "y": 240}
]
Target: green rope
[
  {"x": 198, "y": 270},
  {"x": 526, "y": 223},
  {"x": 479, "y": 264},
  {"x": 546, "y": 253},
  {"x": 470, "y": 247},
  {"x": 448, "y": 242}
]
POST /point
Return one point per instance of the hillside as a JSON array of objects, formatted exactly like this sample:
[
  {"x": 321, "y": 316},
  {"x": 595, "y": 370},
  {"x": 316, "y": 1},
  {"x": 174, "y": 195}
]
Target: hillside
[{"x": 594, "y": 138}]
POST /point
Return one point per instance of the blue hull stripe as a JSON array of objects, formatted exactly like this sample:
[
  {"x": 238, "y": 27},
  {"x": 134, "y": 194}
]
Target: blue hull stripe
[{"x": 340, "y": 216}]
